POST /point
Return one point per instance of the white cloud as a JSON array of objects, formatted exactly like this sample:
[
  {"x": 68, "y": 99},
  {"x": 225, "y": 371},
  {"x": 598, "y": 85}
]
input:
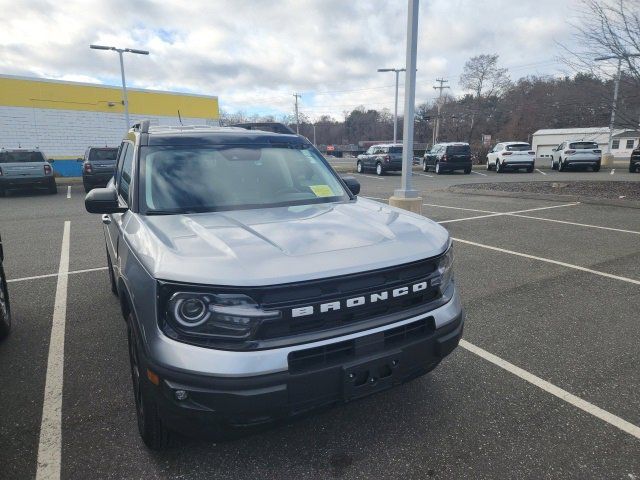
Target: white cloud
[{"x": 255, "y": 54}]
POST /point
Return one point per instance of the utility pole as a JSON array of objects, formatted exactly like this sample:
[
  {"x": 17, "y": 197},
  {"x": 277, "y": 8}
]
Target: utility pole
[
  {"x": 442, "y": 86},
  {"x": 406, "y": 196},
  {"x": 297, "y": 96},
  {"x": 616, "y": 87},
  {"x": 395, "y": 111}
]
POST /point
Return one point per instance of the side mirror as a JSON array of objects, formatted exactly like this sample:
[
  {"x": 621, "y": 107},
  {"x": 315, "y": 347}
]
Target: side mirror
[
  {"x": 80, "y": 159},
  {"x": 352, "y": 184},
  {"x": 103, "y": 200}
]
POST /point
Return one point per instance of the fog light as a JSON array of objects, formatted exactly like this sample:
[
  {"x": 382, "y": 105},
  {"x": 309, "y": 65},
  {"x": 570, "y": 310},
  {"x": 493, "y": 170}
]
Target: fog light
[{"x": 181, "y": 395}]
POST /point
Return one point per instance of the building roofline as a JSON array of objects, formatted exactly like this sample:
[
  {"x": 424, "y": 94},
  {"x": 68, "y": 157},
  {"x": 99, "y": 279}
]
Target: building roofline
[{"x": 100, "y": 85}]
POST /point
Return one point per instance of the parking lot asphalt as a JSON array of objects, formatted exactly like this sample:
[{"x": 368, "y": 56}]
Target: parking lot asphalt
[{"x": 546, "y": 387}]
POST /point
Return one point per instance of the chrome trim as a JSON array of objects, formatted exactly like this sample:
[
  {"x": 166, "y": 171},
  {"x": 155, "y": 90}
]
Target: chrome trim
[{"x": 222, "y": 363}]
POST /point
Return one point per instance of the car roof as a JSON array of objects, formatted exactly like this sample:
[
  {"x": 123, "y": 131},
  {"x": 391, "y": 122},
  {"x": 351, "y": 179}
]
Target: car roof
[
  {"x": 387, "y": 145},
  {"x": 448, "y": 144},
  {"x": 515, "y": 143},
  {"x": 20, "y": 150},
  {"x": 206, "y": 135}
]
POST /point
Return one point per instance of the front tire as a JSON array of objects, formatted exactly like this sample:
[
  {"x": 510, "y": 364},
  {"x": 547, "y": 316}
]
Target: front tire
[
  {"x": 554, "y": 165},
  {"x": 53, "y": 188},
  {"x": 499, "y": 167},
  {"x": 530, "y": 169},
  {"x": 467, "y": 170},
  {"x": 379, "y": 170},
  {"x": 153, "y": 432},
  {"x": 425, "y": 167},
  {"x": 438, "y": 169},
  {"x": 561, "y": 165},
  {"x": 488, "y": 165}
]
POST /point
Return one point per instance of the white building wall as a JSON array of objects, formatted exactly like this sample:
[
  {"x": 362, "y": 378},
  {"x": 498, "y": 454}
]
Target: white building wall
[{"x": 67, "y": 133}]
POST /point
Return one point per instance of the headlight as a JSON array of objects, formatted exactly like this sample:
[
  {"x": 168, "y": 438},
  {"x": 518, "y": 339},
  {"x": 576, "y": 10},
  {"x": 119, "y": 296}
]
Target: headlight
[
  {"x": 445, "y": 268},
  {"x": 217, "y": 316}
]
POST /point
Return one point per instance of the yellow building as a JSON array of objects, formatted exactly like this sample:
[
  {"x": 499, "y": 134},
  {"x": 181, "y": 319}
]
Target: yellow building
[{"x": 64, "y": 118}]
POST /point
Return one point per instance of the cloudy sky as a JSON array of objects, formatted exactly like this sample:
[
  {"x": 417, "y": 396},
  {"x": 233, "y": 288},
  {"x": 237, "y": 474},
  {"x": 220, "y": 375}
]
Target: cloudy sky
[{"x": 253, "y": 54}]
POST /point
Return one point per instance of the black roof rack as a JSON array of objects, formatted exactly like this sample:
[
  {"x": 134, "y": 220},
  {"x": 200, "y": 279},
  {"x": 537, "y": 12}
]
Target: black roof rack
[{"x": 274, "y": 127}]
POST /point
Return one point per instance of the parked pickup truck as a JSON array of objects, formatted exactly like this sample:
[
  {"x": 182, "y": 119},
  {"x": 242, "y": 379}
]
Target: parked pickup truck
[
  {"x": 257, "y": 285},
  {"x": 381, "y": 158},
  {"x": 22, "y": 168}
]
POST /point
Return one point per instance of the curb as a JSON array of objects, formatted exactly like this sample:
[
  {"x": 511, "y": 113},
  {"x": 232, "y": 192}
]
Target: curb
[
  {"x": 68, "y": 180},
  {"x": 612, "y": 202}
]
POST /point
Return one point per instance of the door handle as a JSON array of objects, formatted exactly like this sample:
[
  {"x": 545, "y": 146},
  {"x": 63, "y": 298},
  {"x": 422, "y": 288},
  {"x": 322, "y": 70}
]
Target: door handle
[{"x": 106, "y": 219}]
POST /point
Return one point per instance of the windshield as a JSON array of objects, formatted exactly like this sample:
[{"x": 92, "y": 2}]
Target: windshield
[
  {"x": 21, "y": 157},
  {"x": 519, "y": 147},
  {"x": 395, "y": 149},
  {"x": 103, "y": 154},
  {"x": 192, "y": 179},
  {"x": 583, "y": 146}
]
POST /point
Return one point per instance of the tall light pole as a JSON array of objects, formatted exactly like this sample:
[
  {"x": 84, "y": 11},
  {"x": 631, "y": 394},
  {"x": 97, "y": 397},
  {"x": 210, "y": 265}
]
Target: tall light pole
[
  {"x": 120, "y": 51},
  {"x": 406, "y": 197},
  {"x": 395, "y": 110},
  {"x": 297, "y": 96},
  {"x": 314, "y": 134},
  {"x": 616, "y": 87},
  {"x": 442, "y": 86}
]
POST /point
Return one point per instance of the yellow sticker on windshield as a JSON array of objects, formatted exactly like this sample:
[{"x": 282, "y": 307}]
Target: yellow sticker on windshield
[{"x": 322, "y": 190}]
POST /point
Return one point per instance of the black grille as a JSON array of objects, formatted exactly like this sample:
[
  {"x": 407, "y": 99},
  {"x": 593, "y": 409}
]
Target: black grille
[
  {"x": 340, "y": 352},
  {"x": 339, "y": 289}
]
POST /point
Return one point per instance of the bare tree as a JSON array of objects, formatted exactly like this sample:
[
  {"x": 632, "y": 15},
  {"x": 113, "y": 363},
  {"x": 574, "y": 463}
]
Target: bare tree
[
  {"x": 605, "y": 28},
  {"x": 484, "y": 77}
]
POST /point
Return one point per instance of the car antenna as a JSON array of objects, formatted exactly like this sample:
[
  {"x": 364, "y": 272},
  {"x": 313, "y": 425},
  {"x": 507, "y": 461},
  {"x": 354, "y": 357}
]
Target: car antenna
[{"x": 180, "y": 118}]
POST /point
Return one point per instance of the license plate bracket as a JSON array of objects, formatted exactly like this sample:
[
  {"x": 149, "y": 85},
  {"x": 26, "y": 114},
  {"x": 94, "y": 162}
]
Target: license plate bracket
[{"x": 370, "y": 376}]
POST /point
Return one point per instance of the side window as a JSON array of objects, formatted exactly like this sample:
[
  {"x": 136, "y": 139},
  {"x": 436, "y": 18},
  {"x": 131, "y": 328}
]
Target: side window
[
  {"x": 370, "y": 151},
  {"x": 124, "y": 175},
  {"x": 630, "y": 144},
  {"x": 121, "y": 151},
  {"x": 615, "y": 144}
]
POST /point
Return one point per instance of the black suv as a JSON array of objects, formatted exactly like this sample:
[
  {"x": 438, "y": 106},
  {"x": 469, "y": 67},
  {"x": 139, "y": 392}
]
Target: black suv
[
  {"x": 381, "y": 158},
  {"x": 634, "y": 161},
  {"x": 5, "y": 311},
  {"x": 98, "y": 167},
  {"x": 448, "y": 157}
]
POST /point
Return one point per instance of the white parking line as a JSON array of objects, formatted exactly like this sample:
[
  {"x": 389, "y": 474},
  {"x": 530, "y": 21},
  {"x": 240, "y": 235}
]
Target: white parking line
[
  {"x": 375, "y": 198},
  {"x": 540, "y": 171},
  {"x": 575, "y": 223},
  {"x": 49, "y": 275},
  {"x": 478, "y": 173},
  {"x": 499, "y": 214},
  {"x": 371, "y": 176},
  {"x": 578, "y": 402},
  {"x": 548, "y": 260},
  {"x": 69, "y": 191},
  {"x": 458, "y": 208},
  {"x": 50, "y": 444}
]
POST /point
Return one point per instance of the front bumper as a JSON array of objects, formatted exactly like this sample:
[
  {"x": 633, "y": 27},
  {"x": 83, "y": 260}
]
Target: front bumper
[{"x": 315, "y": 375}]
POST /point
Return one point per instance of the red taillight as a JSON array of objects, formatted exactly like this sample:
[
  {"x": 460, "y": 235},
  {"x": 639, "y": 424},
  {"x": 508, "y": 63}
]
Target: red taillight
[
  {"x": 597, "y": 151},
  {"x": 569, "y": 152},
  {"x": 387, "y": 158},
  {"x": 507, "y": 153},
  {"x": 532, "y": 153},
  {"x": 47, "y": 170},
  {"x": 444, "y": 157},
  {"x": 88, "y": 168}
]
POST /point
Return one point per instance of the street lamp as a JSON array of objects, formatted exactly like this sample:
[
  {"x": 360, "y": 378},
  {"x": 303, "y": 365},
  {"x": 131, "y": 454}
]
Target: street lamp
[
  {"x": 395, "y": 111},
  {"x": 615, "y": 90},
  {"x": 120, "y": 51}
]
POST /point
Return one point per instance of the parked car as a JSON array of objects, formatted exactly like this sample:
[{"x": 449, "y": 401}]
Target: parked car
[
  {"x": 448, "y": 157},
  {"x": 257, "y": 285},
  {"x": 5, "y": 309},
  {"x": 98, "y": 167},
  {"x": 511, "y": 156},
  {"x": 574, "y": 153},
  {"x": 23, "y": 168},
  {"x": 381, "y": 158},
  {"x": 634, "y": 161}
]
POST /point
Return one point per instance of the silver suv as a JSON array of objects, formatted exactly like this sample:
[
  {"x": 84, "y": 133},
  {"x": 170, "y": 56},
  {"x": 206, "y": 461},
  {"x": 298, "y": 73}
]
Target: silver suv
[{"x": 256, "y": 285}]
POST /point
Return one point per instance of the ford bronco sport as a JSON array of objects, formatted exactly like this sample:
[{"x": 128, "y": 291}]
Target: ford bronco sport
[{"x": 257, "y": 285}]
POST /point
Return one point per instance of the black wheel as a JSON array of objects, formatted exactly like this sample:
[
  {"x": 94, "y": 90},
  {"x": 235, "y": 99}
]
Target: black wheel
[
  {"x": 53, "y": 188},
  {"x": 596, "y": 167},
  {"x": 379, "y": 170},
  {"x": 112, "y": 277},
  {"x": 438, "y": 169},
  {"x": 489, "y": 167},
  {"x": 632, "y": 169},
  {"x": 530, "y": 169},
  {"x": 359, "y": 167},
  {"x": 499, "y": 167},
  {"x": 154, "y": 434},
  {"x": 5, "y": 310},
  {"x": 561, "y": 165},
  {"x": 554, "y": 165},
  {"x": 467, "y": 170},
  {"x": 425, "y": 167}
]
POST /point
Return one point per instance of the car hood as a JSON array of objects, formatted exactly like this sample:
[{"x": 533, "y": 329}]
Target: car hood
[{"x": 281, "y": 245}]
